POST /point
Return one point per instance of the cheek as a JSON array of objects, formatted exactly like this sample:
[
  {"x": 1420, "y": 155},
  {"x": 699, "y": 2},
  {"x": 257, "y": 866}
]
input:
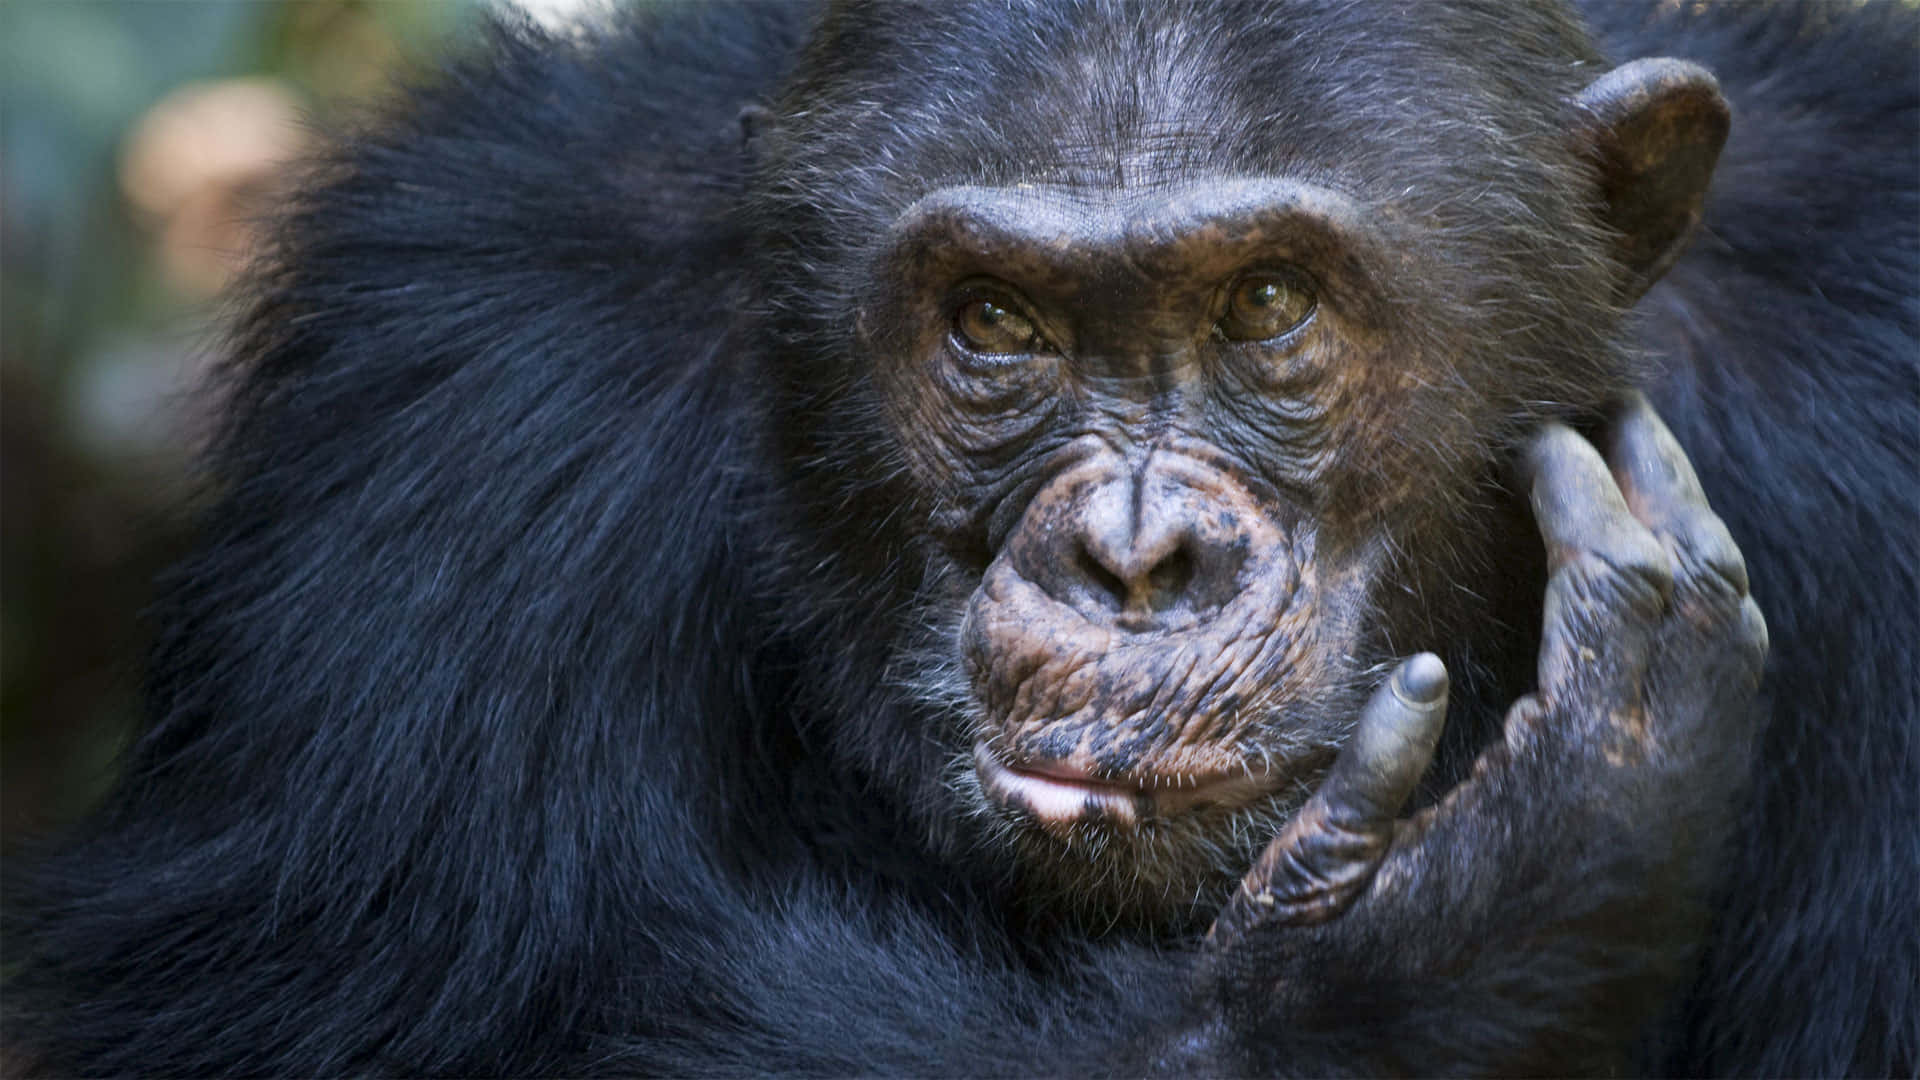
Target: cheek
[
  {"x": 1406, "y": 439},
  {"x": 959, "y": 430}
]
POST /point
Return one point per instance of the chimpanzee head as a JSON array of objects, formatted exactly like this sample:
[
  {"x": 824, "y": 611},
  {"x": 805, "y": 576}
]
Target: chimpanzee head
[{"x": 1145, "y": 375}]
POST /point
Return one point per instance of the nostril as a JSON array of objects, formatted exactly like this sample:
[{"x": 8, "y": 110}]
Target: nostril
[
  {"x": 1170, "y": 580},
  {"x": 1103, "y": 585},
  {"x": 1168, "y": 585},
  {"x": 1181, "y": 582}
]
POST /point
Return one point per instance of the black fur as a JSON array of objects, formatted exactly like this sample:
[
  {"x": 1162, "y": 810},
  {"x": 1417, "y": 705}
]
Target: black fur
[
  {"x": 498, "y": 728},
  {"x": 1787, "y": 338}
]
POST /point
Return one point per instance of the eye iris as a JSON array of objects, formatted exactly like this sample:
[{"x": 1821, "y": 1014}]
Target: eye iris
[
  {"x": 985, "y": 326},
  {"x": 1264, "y": 308}
]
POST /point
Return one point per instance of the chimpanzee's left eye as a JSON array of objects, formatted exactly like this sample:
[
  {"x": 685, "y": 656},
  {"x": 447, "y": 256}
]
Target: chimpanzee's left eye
[
  {"x": 1265, "y": 306},
  {"x": 983, "y": 326}
]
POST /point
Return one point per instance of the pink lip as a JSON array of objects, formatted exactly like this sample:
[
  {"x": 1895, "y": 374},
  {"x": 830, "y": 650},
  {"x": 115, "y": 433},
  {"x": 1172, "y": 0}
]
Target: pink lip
[
  {"x": 1057, "y": 793},
  {"x": 1065, "y": 773}
]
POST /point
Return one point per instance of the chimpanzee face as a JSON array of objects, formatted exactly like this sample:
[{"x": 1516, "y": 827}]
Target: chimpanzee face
[
  {"x": 1141, "y": 411},
  {"x": 1191, "y": 385}
]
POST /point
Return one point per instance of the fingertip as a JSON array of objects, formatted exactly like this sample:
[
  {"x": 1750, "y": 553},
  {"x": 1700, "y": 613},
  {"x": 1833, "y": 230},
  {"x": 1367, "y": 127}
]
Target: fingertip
[
  {"x": 1421, "y": 680},
  {"x": 1392, "y": 745},
  {"x": 1648, "y": 461},
  {"x": 1634, "y": 405},
  {"x": 1550, "y": 441}
]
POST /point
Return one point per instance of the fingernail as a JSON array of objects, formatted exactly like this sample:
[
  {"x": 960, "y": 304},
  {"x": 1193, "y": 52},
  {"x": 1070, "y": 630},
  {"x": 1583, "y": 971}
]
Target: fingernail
[{"x": 1421, "y": 680}]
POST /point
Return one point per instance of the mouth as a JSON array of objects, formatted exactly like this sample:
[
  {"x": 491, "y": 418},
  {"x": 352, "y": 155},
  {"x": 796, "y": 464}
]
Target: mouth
[{"x": 1057, "y": 794}]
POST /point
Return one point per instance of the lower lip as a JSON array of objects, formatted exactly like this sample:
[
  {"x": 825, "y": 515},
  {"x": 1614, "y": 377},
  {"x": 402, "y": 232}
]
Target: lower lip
[{"x": 1055, "y": 799}]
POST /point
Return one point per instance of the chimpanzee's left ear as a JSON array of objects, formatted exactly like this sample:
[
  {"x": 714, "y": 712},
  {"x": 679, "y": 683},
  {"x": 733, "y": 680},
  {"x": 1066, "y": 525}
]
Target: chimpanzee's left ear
[{"x": 1653, "y": 130}]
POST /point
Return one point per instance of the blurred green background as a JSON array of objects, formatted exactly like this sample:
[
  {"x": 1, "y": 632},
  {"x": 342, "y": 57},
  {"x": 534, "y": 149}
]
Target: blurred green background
[{"x": 139, "y": 141}]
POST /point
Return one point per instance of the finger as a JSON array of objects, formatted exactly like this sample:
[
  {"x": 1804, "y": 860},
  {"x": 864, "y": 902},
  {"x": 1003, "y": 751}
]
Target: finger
[
  {"x": 1580, "y": 509},
  {"x": 1652, "y": 470},
  {"x": 1391, "y": 747},
  {"x": 1662, "y": 490},
  {"x": 1611, "y": 577},
  {"x": 1326, "y": 855}
]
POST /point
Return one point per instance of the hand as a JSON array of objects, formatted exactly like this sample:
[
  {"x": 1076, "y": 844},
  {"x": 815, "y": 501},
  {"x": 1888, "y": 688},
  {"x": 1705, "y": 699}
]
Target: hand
[{"x": 1564, "y": 880}]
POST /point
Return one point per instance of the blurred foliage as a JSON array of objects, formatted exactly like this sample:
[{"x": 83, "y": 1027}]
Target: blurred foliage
[{"x": 138, "y": 141}]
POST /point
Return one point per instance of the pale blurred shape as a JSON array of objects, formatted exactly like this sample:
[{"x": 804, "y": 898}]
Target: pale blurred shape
[{"x": 197, "y": 166}]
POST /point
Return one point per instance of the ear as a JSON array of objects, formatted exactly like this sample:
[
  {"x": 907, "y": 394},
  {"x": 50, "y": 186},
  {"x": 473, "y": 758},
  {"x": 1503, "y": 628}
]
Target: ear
[{"x": 1652, "y": 130}]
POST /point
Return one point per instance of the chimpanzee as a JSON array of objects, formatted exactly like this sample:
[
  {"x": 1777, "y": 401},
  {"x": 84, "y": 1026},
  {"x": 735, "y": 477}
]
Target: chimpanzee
[{"x": 939, "y": 538}]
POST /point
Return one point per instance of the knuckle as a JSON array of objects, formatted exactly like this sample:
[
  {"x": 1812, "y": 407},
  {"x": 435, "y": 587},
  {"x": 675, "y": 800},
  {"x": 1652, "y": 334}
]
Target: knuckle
[
  {"x": 1526, "y": 725},
  {"x": 1707, "y": 557},
  {"x": 1706, "y": 585},
  {"x": 1630, "y": 572},
  {"x": 1644, "y": 568},
  {"x": 1597, "y": 618}
]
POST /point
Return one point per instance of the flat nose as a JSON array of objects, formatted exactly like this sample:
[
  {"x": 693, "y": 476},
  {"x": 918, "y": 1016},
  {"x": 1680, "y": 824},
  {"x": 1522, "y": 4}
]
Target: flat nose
[{"x": 1131, "y": 554}]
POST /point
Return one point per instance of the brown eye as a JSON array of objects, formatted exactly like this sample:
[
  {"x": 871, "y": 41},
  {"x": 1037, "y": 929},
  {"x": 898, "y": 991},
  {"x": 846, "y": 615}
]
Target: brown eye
[
  {"x": 1265, "y": 307},
  {"x": 986, "y": 327}
]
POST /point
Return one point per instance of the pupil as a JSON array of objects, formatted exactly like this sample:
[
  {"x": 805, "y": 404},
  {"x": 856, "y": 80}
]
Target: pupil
[
  {"x": 1266, "y": 295},
  {"x": 991, "y": 314}
]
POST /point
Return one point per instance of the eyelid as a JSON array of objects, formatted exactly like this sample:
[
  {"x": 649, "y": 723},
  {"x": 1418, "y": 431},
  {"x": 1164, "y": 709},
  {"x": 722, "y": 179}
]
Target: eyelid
[
  {"x": 1002, "y": 295},
  {"x": 993, "y": 291}
]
